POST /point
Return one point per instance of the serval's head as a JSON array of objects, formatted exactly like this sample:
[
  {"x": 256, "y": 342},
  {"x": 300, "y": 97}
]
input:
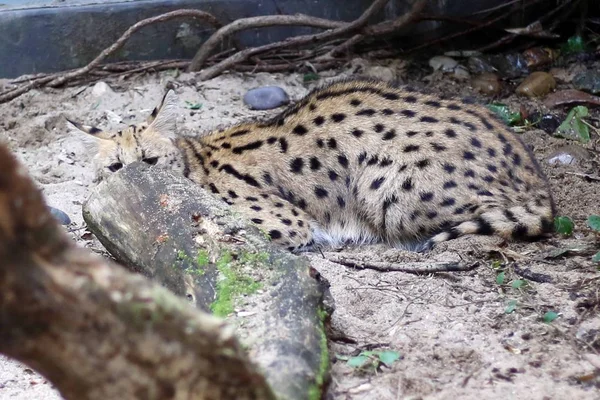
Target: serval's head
[{"x": 152, "y": 142}]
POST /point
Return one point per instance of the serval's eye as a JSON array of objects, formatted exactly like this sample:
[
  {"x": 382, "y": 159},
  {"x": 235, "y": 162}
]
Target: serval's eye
[
  {"x": 115, "y": 167},
  {"x": 150, "y": 160}
]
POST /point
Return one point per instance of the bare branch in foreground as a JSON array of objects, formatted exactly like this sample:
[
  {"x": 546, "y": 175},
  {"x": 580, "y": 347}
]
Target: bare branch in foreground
[{"x": 93, "y": 329}]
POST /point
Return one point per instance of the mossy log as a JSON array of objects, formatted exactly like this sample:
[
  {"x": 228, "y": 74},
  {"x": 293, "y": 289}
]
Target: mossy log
[
  {"x": 172, "y": 231},
  {"x": 97, "y": 331}
]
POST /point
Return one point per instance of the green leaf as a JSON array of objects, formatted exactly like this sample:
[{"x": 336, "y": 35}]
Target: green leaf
[
  {"x": 500, "y": 278},
  {"x": 310, "y": 77},
  {"x": 563, "y": 225},
  {"x": 596, "y": 257},
  {"x": 358, "y": 361},
  {"x": 594, "y": 222},
  {"x": 573, "y": 127},
  {"x": 512, "y": 306},
  {"x": 193, "y": 106},
  {"x": 550, "y": 316},
  {"x": 342, "y": 357},
  {"x": 575, "y": 44},
  {"x": 388, "y": 357},
  {"x": 519, "y": 283},
  {"x": 509, "y": 117}
]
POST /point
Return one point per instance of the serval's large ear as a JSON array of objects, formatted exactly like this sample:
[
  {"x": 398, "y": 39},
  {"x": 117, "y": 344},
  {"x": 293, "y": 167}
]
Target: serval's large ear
[
  {"x": 91, "y": 130},
  {"x": 163, "y": 117}
]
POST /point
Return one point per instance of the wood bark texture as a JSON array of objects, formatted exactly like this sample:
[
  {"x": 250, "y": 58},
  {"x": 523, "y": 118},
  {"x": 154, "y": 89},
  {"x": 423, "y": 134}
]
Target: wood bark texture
[{"x": 97, "y": 331}]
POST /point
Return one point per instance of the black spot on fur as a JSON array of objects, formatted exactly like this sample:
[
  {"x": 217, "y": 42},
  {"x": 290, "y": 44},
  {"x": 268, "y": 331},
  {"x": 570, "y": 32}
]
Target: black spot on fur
[
  {"x": 484, "y": 227},
  {"x": 256, "y": 208},
  {"x": 410, "y": 99},
  {"x": 373, "y": 160},
  {"x": 320, "y": 192},
  {"x": 379, "y": 128},
  {"x": 244, "y": 177},
  {"x": 341, "y": 202},
  {"x": 376, "y": 184},
  {"x": 355, "y": 102},
  {"x": 338, "y": 117},
  {"x": 251, "y": 198},
  {"x": 507, "y": 149},
  {"x": 516, "y": 159},
  {"x": 271, "y": 139},
  {"x": 449, "y": 185},
  {"x": 449, "y": 168},
  {"x": 257, "y": 221},
  {"x": 467, "y": 155},
  {"x": 411, "y": 133},
  {"x": 422, "y": 163},
  {"x": 296, "y": 165},
  {"x": 385, "y": 162},
  {"x": 214, "y": 163},
  {"x": 283, "y": 143},
  {"x": 491, "y": 152},
  {"x": 475, "y": 142},
  {"x": 267, "y": 178},
  {"x": 485, "y": 193},
  {"x": 232, "y": 194},
  {"x": 357, "y": 132},
  {"x": 300, "y": 130},
  {"x": 429, "y": 133},
  {"x": 320, "y": 143},
  {"x": 450, "y": 133},
  {"x": 240, "y": 133},
  {"x": 275, "y": 234},
  {"x": 368, "y": 112},
  {"x": 410, "y": 148},
  {"x": 302, "y": 204},
  {"x": 438, "y": 147},
  {"x": 488, "y": 178},
  {"x": 318, "y": 121},
  {"x": 390, "y": 96},
  {"x": 286, "y": 221},
  {"x": 433, "y": 103},
  {"x": 431, "y": 214},
  {"x": 343, "y": 160},
  {"x": 362, "y": 157},
  {"x": 408, "y": 113},
  {"x": 389, "y": 135},
  {"x": 332, "y": 143},
  {"x": 429, "y": 120},
  {"x": 250, "y": 146},
  {"x": 426, "y": 196},
  {"x": 315, "y": 164},
  {"x": 312, "y": 107},
  {"x": 502, "y": 138},
  {"x": 213, "y": 188},
  {"x": 407, "y": 185},
  {"x": 454, "y": 107},
  {"x": 387, "y": 111},
  {"x": 226, "y": 145},
  {"x": 447, "y": 202}
]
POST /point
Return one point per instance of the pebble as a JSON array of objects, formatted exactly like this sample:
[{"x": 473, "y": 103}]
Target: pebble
[
  {"x": 487, "y": 83},
  {"x": 443, "y": 63},
  {"x": 100, "y": 89},
  {"x": 386, "y": 74},
  {"x": 479, "y": 65},
  {"x": 510, "y": 65},
  {"x": 588, "y": 81},
  {"x": 60, "y": 215},
  {"x": 568, "y": 155},
  {"x": 537, "y": 84},
  {"x": 266, "y": 98}
]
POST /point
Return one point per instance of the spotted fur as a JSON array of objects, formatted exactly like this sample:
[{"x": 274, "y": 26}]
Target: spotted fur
[{"x": 357, "y": 161}]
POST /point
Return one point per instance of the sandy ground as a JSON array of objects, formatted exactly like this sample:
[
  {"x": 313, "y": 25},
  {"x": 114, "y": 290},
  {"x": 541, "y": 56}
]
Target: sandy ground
[{"x": 451, "y": 329}]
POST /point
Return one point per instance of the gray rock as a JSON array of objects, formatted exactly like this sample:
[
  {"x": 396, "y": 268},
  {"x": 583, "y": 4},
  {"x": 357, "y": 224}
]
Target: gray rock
[
  {"x": 568, "y": 155},
  {"x": 60, "y": 215},
  {"x": 588, "y": 81},
  {"x": 266, "y": 98}
]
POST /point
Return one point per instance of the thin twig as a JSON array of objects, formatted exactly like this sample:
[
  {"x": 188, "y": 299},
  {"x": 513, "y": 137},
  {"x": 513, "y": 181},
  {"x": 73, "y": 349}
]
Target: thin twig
[
  {"x": 125, "y": 37},
  {"x": 257, "y": 22},
  {"x": 353, "y": 26},
  {"x": 409, "y": 267}
]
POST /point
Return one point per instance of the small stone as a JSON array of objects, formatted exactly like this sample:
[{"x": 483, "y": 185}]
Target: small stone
[
  {"x": 461, "y": 73},
  {"x": 568, "y": 155},
  {"x": 537, "y": 84},
  {"x": 100, "y": 89},
  {"x": 588, "y": 81},
  {"x": 383, "y": 73},
  {"x": 510, "y": 65},
  {"x": 266, "y": 98},
  {"x": 443, "y": 63},
  {"x": 487, "y": 83},
  {"x": 61, "y": 216}
]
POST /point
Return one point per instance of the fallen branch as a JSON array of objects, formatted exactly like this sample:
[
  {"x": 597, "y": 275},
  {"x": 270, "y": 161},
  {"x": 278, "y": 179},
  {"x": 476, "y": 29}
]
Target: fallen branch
[
  {"x": 409, "y": 267},
  {"x": 59, "y": 79},
  {"x": 257, "y": 22},
  {"x": 93, "y": 329}
]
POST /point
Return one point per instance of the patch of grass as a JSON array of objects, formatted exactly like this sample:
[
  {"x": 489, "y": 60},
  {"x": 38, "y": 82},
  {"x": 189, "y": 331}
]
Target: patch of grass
[{"x": 314, "y": 392}]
